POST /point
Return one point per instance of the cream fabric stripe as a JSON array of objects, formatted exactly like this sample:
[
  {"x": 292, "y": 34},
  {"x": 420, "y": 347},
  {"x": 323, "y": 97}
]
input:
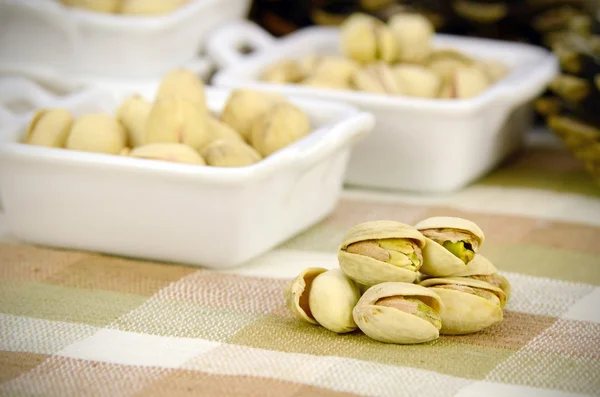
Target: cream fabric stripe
[
  {"x": 541, "y": 204},
  {"x": 31, "y": 335},
  {"x": 586, "y": 309}
]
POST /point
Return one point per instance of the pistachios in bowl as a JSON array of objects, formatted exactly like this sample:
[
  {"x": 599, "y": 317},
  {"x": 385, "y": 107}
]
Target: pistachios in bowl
[
  {"x": 404, "y": 284},
  {"x": 176, "y": 126},
  {"x": 397, "y": 57}
]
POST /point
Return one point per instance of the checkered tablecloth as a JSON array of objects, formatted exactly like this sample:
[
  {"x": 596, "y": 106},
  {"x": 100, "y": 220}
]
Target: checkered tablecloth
[{"x": 85, "y": 324}]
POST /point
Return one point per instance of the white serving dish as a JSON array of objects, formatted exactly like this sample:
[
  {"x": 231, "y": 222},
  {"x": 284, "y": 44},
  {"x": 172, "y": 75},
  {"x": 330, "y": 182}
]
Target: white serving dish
[
  {"x": 421, "y": 145},
  {"x": 46, "y": 41},
  {"x": 213, "y": 217}
]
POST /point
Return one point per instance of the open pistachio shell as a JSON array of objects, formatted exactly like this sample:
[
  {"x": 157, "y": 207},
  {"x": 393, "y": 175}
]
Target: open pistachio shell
[
  {"x": 168, "y": 151},
  {"x": 184, "y": 84},
  {"x": 469, "y": 305},
  {"x": 439, "y": 262},
  {"x": 98, "y": 133},
  {"x": 445, "y": 62},
  {"x": 334, "y": 68},
  {"x": 496, "y": 280},
  {"x": 418, "y": 81},
  {"x": 297, "y": 293},
  {"x": 219, "y": 130},
  {"x": 332, "y": 299},
  {"x": 365, "y": 38},
  {"x": 49, "y": 127},
  {"x": 377, "y": 77},
  {"x": 372, "y": 266},
  {"x": 284, "y": 71},
  {"x": 230, "y": 153},
  {"x": 449, "y": 222},
  {"x": 413, "y": 33},
  {"x": 132, "y": 114},
  {"x": 402, "y": 313}
]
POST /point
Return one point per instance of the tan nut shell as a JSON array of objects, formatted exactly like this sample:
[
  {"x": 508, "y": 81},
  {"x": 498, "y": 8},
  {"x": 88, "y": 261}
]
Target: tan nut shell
[
  {"x": 377, "y": 78},
  {"x": 465, "y": 313},
  {"x": 108, "y": 6},
  {"x": 332, "y": 299},
  {"x": 390, "y": 325},
  {"x": 183, "y": 84},
  {"x": 365, "y": 38},
  {"x": 297, "y": 293},
  {"x": 413, "y": 33},
  {"x": 445, "y": 62},
  {"x": 439, "y": 262},
  {"x": 322, "y": 82},
  {"x": 450, "y": 222},
  {"x": 49, "y": 127},
  {"x": 151, "y": 7},
  {"x": 133, "y": 114},
  {"x": 369, "y": 271},
  {"x": 418, "y": 81},
  {"x": 244, "y": 107},
  {"x": 171, "y": 152},
  {"x": 219, "y": 130},
  {"x": 284, "y": 71},
  {"x": 176, "y": 120},
  {"x": 230, "y": 153},
  {"x": 497, "y": 280},
  {"x": 334, "y": 68},
  {"x": 278, "y": 127},
  {"x": 97, "y": 132},
  {"x": 495, "y": 70}
]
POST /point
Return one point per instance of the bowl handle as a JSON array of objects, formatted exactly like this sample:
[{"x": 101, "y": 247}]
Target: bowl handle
[{"x": 225, "y": 44}]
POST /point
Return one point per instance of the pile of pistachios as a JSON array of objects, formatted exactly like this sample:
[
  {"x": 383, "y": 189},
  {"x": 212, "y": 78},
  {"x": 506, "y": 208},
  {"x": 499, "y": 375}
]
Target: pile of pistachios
[
  {"x": 130, "y": 7},
  {"x": 404, "y": 284},
  {"x": 178, "y": 127},
  {"x": 393, "y": 58}
]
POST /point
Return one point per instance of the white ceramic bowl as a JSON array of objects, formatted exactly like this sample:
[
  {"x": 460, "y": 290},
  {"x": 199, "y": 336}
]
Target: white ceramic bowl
[
  {"x": 422, "y": 145},
  {"x": 70, "y": 47},
  {"x": 207, "y": 216}
]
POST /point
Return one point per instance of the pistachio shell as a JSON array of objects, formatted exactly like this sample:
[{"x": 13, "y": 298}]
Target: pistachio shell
[
  {"x": 378, "y": 78},
  {"x": 332, "y": 299},
  {"x": 322, "y": 82},
  {"x": 244, "y": 107},
  {"x": 439, "y": 262},
  {"x": 365, "y": 38},
  {"x": 391, "y": 325},
  {"x": 495, "y": 70},
  {"x": 133, "y": 114},
  {"x": 107, "y": 6},
  {"x": 465, "y": 312},
  {"x": 168, "y": 151},
  {"x": 367, "y": 270},
  {"x": 297, "y": 293},
  {"x": 496, "y": 280},
  {"x": 177, "y": 120},
  {"x": 284, "y": 71},
  {"x": 151, "y": 7},
  {"x": 479, "y": 265},
  {"x": 183, "y": 84},
  {"x": 125, "y": 151},
  {"x": 49, "y": 127},
  {"x": 449, "y": 222},
  {"x": 334, "y": 68},
  {"x": 445, "y": 62},
  {"x": 418, "y": 81},
  {"x": 230, "y": 153},
  {"x": 278, "y": 127},
  {"x": 413, "y": 33},
  {"x": 97, "y": 132},
  {"x": 219, "y": 130}
]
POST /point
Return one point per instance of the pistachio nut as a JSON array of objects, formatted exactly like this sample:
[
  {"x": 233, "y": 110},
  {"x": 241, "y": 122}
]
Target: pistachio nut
[
  {"x": 379, "y": 251},
  {"x": 230, "y": 153},
  {"x": 244, "y": 107},
  {"x": 49, "y": 127},
  {"x": 365, "y": 38},
  {"x": 413, "y": 33},
  {"x": 496, "y": 280},
  {"x": 452, "y": 246},
  {"x": 183, "y": 84},
  {"x": 321, "y": 82},
  {"x": 278, "y": 127},
  {"x": 97, "y": 132},
  {"x": 106, "y": 6},
  {"x": 168, "y": 151},
  {"x": 444, "y": 62},
  {"x": 150, "y": 7},
  {"x": 284, "y": 71},
  {"x": 396, "y": 312},
  {"x": 334, "y": 68},
  {"x": 469, "y": 305},
  {"x": 465, "y": 82},
  {"x": 133, "y": 114},
  {"x": 495, "y": 70},
  {"x": 219, "y": 130},
  {"x": 377, "y": 78},
  {"x": 418, "y": 81},
  {"x": 324, "y": 297},
  {"x": 125, "y": 151},
  {"x": 176, "y": 119}
]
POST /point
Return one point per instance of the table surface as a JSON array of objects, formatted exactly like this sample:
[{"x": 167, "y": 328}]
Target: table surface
[{"x": 77, "y": 323}]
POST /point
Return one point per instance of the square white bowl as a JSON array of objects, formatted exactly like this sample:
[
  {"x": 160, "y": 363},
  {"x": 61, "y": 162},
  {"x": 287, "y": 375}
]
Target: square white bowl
[
  {"x": 206, "y": 216},
  {"x": 420, "y": 145}
]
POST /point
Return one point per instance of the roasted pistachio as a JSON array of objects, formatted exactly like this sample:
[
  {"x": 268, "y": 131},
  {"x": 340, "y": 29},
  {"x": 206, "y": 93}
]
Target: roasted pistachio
[
  {"x": 495, "y": 70},
  {"x": 284, "y": 71},
  {"x": 469, "y": 305},
  {"x": 395, "y": 312},
  {"x": 334, "y": 68},
  {"x": 365, "y": 38},
  {"x": 230, "y": 153},
  {"x": 445, "y": 62},
  {"x": 244, "y": 107},
  {"x": 97, "y": 132},
  {"x": 418, "y": 81},
  {"x": 413, "y": 33},
  {"x": 183, "y": 84},
  {"x": 496, "y": 280},
  {"x": 171, "y": 152},
  {"x": 178, "y": 120},
  {"x": 219, "y": 130},
  {"x": 107, "y": 6},
  {"x": 465, "y": 82},
  {"x": 379, "y": 251},
  {"x": 324, "y": 297},
  {"x": 49, "y": 127},
  {"x": 321, "y": 82},
  {"x": 278, "y": 127},
  {"x": 150, "y": 7},
  {"x": 378, "y": 78},
  {"x": 452, "y": 246},
  {"x": 133, "y": 114}
]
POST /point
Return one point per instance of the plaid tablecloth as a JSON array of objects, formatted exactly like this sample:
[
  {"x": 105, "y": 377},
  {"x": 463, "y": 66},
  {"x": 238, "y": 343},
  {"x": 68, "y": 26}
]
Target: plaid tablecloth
[{"x": 84, "y": 324}]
